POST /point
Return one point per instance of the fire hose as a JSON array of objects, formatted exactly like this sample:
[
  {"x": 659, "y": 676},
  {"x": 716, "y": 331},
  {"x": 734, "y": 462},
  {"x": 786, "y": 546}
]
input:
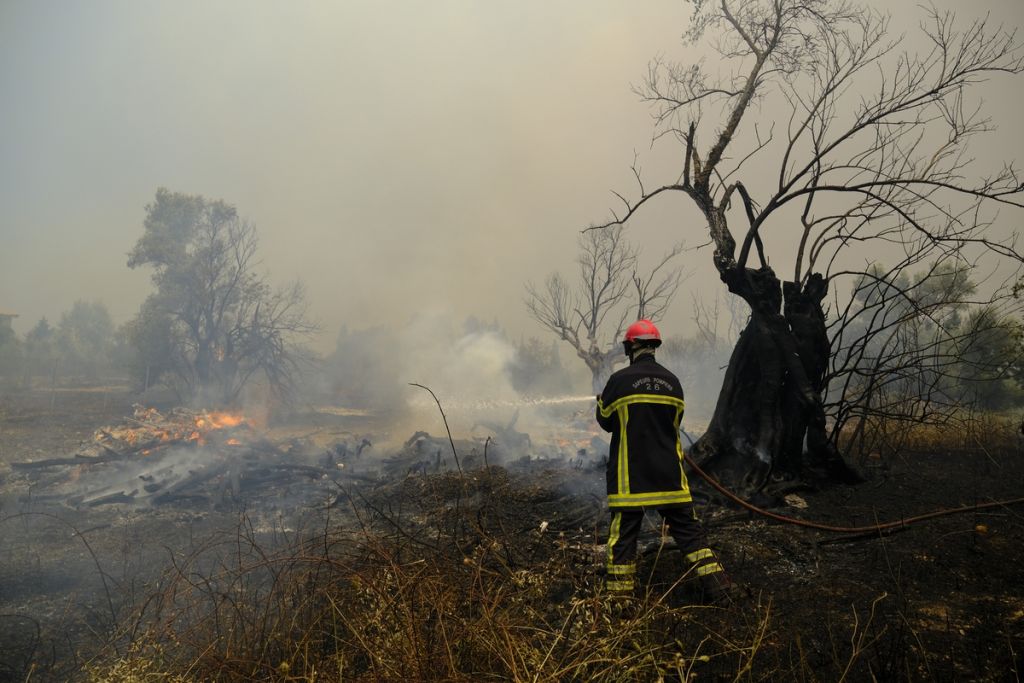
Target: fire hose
[{"x": 871, "y": 528}]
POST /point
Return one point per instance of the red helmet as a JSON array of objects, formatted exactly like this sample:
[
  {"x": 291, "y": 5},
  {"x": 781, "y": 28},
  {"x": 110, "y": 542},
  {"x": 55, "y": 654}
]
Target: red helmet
[{"x": 643, "y": 330}]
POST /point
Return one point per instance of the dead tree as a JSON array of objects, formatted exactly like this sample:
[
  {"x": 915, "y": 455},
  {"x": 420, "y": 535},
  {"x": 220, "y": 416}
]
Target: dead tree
[
  {"x": 610, "y": 293},
  {"x": 867, "y": 154}
]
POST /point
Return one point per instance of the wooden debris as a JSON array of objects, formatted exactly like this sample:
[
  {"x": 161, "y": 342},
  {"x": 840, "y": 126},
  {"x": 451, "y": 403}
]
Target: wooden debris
[
  {"x": 187, "y": 456},
  {"x": 117, "y": 497}
]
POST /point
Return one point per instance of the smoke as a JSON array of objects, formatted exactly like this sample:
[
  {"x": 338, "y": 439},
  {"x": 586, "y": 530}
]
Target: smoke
[
  {"x": 466, "y": 369},
  {"x": 466, "y": 366},
  {"x": 469, "y": 366}
]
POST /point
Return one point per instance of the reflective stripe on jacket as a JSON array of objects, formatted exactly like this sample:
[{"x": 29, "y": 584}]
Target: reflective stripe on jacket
[{"x": 642, "y": 406}]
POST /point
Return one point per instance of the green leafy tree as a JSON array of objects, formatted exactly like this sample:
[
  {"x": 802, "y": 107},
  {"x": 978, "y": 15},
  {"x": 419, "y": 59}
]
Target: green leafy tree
[
  {"x": 42, "y": 334},
  {"x": 152, "y": 355},
  {"x": 992, "y": 360},
  {"x": 214, "y": 324},
  {"x": 918, "y": 347}
]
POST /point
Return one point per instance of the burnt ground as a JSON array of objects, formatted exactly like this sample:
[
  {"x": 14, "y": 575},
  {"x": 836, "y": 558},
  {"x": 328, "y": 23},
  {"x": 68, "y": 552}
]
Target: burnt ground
[{"x": 939, "y": 600}]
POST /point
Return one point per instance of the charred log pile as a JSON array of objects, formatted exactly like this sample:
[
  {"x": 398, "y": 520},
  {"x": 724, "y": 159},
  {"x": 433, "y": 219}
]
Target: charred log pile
[
  {"x": 201, "y": 458},
  {"x": 186, "y": 456}
]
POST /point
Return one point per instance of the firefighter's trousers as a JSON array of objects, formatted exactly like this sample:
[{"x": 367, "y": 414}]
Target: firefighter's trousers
[{"x": 683, "y": 526}]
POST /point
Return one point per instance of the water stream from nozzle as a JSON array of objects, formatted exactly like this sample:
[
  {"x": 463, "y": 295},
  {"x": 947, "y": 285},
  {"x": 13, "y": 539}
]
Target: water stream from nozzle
[{"x": 481, "y": 404}]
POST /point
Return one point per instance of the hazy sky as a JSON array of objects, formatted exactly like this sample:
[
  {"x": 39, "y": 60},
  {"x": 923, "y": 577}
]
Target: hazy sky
[{"x": 395, "y": 156}]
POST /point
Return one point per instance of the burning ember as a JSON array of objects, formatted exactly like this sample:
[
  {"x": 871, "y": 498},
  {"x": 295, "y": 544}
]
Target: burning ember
[
  {"x": 179, "y": 455},
  {"x": 148, "y": 429},
  {"x": 219, "y": 420}
]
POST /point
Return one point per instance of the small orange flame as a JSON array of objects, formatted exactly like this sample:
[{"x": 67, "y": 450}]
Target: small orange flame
[{"x": 221, "y": 420}]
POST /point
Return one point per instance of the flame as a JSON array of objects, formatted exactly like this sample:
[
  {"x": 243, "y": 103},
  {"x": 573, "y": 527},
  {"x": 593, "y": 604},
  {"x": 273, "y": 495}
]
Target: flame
[
  {"x": 221, "y": 420},
  {"x": 155, "y": 431},
  {"x": 212, "y": 421}
]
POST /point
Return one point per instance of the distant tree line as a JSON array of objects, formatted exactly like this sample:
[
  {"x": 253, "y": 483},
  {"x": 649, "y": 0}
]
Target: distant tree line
[
  {"x": 908, "y": 346},
  {"x": 214, "y": 327},
  {"x": 923, "y": 347},
  {"x": 84, "y": 345}
]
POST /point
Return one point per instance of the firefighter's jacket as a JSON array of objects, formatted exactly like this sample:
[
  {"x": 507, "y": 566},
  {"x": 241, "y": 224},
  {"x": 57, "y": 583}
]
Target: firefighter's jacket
[{"x": 642, "y": 406}]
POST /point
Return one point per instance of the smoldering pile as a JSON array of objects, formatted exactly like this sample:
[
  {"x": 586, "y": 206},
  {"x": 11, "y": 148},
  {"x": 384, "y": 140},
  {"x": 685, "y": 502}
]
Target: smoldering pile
[
  {"x": 185, "y": 456},
  {"x": 200, "y": 458}
]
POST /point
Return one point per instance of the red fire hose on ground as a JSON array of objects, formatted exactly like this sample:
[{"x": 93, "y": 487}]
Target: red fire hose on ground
[
  {"x": 848, "y": 529},
  {"x": 870, "y": 528}
]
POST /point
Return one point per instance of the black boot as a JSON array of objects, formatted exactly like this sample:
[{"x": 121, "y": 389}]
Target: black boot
[{"x": 717, "y": 588}]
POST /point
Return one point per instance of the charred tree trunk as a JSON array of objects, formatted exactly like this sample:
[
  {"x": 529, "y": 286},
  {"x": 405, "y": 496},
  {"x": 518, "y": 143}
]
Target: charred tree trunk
[
  {"x": 769, "y": 422},
  {"x": 601, "y": 365}
]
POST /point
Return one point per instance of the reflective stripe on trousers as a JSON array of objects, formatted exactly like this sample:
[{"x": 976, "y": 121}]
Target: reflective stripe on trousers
[{"x": 683, "y": 526}]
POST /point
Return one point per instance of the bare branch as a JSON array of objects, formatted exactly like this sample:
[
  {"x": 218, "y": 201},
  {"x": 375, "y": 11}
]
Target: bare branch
[{"x": 610, "y": 289}]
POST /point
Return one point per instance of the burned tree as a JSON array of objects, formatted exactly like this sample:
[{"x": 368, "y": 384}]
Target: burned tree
[
  {"x": 611, "y": 292},
  {"x": 868, "y": 154},
  {"x": 214, "y": 323}
]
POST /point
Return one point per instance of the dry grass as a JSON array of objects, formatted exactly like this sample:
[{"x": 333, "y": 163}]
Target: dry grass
[
  {"x": 439, "y": 592},
  {"x": 963, "y": 432},
  {"x": 450, "y": 597},
  {"x": 448, "y": 577}
]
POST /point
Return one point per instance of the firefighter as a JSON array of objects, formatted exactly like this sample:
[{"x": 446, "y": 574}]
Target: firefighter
[{"x": 642, "y": 406}]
